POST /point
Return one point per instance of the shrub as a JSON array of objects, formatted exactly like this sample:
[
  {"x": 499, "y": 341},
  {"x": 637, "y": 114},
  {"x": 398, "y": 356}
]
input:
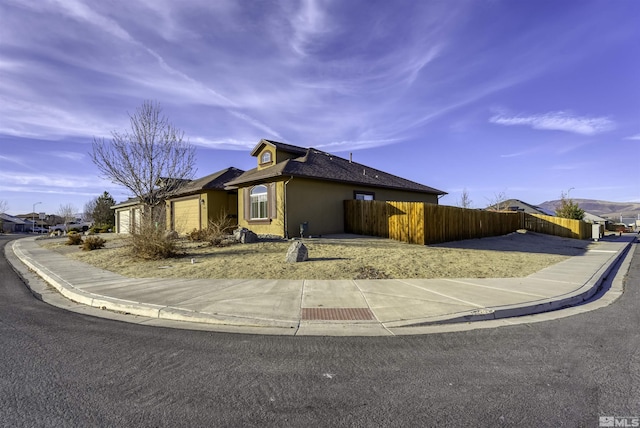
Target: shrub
[
  {"x": 216, "y": 232},
  {"x": 150, "y": 243},
  {"x": 74, "y": 239},
  {"x": 93, "y": 243},
  {"x": 221, "y": 225},
  {"x": 198, "y": 235}
]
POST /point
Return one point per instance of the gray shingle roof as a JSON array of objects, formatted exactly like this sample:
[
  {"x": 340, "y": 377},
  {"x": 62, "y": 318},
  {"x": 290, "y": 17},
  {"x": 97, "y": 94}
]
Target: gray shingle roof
[
  {"x": 215, "y": 181},
  {"x": 518, "y": 205},
  {"x": 319, "y": 165}
]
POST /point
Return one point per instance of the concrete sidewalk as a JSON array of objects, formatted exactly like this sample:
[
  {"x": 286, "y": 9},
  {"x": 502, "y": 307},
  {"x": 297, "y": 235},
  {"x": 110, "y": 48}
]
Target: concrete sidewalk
[{"x": 331, "y": 307}]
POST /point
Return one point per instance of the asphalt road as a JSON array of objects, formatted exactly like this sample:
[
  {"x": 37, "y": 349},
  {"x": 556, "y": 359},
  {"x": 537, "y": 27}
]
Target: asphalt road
[{"x": 60, "y": 368}]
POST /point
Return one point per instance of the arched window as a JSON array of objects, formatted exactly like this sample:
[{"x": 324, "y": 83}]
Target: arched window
[
  {"x": 259, "y": 203},
  {"x": 266, "y": 157}
]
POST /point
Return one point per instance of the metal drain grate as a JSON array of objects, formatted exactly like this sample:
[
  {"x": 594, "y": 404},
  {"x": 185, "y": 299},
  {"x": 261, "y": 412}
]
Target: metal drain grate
[{"x": 338, "y": 314}]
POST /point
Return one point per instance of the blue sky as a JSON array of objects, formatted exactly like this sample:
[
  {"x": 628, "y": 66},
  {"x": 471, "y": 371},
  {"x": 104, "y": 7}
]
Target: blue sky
[{"x": 528, "y": 98}]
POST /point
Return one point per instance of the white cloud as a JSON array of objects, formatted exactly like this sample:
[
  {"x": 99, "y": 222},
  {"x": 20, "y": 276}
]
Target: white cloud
[
  {"x": 227, "y": 144},
  {"x": 73, "y": 156},
  {"x": 558, "y": 121},
  {"x": 14, "y": 160},
  {"x": 308, "y": 24},
  {"x": 634, "y": 137}
]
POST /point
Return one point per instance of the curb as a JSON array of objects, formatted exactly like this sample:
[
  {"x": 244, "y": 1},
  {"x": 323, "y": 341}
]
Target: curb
[
  {"x": 583, "y": 294},
  {"x": 224, "y": 321},
  {"x": 137, "y": 308}
]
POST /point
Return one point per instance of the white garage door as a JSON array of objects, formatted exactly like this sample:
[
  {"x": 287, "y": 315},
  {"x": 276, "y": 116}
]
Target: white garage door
[
  {"x": 124, "y": 221},
  {"x": 186, "y": 215}
]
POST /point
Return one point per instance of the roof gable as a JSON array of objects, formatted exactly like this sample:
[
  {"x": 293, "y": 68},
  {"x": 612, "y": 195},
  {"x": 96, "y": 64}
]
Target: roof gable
[{"x": 287, "y": 148}]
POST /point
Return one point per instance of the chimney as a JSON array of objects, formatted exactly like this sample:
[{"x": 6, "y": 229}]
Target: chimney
[{"x": 350, "y": 157}]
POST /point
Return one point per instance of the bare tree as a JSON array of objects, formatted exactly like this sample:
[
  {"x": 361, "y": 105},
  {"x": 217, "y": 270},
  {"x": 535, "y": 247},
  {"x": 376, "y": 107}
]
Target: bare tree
[
  {"x": 499, "y": 202},
  {"x": 67, "y": 213},
  {"x": 465, "y": 200},
  {"x": 151, "y": 159},
  {"x": 89, "y": 207}
]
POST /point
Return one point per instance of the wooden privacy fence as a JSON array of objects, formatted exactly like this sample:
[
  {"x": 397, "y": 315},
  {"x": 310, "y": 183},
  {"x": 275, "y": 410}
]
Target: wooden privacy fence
[
  {"x": 558, "y": 226},
  {"x": 422, "y": 223}
]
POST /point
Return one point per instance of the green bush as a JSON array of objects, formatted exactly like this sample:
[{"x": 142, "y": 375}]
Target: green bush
[
  {"x": 93, "y": 243},
  {"x": 74, "y": 239}
]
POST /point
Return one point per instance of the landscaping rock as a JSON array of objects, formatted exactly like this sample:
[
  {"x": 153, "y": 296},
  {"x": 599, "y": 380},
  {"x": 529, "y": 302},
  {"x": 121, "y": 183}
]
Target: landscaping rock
[
  {"x": 297, "y": 252},
  {"x": 244, "y": 235}
]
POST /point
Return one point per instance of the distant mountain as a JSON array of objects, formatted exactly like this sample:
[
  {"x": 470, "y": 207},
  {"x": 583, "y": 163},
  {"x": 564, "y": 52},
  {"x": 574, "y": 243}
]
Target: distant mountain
[{"x": 601, "y": 208}]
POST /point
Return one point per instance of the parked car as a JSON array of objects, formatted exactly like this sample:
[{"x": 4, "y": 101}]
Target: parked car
[
  {"x": 74, "y": 225},
  {"x": 39, "y": 229}
]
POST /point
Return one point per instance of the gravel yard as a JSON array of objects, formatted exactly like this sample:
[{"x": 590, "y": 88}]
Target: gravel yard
[{"x": 346, "y": 257}]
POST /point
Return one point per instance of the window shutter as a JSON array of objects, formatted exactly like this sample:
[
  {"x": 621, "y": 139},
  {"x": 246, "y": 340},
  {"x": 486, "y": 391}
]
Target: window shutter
[
  {"x": 246, "y": 202},
  {"x": 271, "y": 200}
]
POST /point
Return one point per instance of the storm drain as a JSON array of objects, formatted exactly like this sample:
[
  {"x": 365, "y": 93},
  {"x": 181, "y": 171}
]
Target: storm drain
[{"x": 337, "y": 314}]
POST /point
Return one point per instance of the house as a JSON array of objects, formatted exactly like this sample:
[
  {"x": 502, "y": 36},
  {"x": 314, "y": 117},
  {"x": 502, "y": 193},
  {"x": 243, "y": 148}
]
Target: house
[
  {"x": 592, "y": 218},
  {"x": 194, "y": 201},
  {"x": 33, "y": 219},
  {"x": 295, "y": 188},
  {"x": 518, "y": 205},
  {"x": 199, "y": 201},
  {"x": 11, "y": 224},
  {"x": 128, "y": 215}
]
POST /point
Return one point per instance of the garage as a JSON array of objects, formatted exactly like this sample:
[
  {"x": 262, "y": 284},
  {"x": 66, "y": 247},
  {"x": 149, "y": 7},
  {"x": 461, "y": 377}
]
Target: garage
[
  {"x": 185, "y": 214},
  {"x": 124, "y": 221}
]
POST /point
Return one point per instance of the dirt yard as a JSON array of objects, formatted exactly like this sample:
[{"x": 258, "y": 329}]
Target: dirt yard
[{"x": 349, "y": 257}]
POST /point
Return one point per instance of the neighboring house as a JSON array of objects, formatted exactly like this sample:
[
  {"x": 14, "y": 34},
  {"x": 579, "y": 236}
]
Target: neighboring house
[
  {"x": 30, "y": 218},
  {"x": 199, "y": 201},
  {"x": 592, "y": 218},
  {"x": 127, "y": 215},
  {"x": 294, "y": 187},
  {"x": 518, "y": 205},
  {"x": 11, "y": 224}
]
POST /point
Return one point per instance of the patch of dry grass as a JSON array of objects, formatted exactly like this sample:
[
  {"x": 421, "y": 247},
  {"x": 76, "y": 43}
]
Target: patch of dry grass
[{"x": 515, "y": 255}]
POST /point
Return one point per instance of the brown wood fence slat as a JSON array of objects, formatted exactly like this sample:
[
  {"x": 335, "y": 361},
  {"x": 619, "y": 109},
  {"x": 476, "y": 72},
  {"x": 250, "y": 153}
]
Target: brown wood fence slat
[{"x": 422, "y": 223}]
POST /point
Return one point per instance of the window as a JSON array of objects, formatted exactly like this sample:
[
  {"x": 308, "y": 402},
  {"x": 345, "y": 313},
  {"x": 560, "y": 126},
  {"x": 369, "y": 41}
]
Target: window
[
  {"x": 266, "y": 157},
  {"x": 364, "y": 196},
  {"x": 259, "y": 205}
]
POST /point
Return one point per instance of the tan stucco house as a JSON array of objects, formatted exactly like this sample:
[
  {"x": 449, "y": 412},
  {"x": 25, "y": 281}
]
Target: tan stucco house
[
  {"x": 199, "y": 201},
  {"x": 293, "y": 186}
]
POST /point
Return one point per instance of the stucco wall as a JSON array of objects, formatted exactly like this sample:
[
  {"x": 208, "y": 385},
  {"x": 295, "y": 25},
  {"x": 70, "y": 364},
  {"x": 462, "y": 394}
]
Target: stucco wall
[
  {"x": 319, "y": 203},
  {"x": 215, "y": 202},
  {"x": 273, "y": 226}
]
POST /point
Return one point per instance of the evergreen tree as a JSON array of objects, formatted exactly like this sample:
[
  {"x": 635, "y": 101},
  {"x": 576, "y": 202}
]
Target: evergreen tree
[
  {"x": 569, "y": 209},
  {"x": 102, "y": 214}
]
